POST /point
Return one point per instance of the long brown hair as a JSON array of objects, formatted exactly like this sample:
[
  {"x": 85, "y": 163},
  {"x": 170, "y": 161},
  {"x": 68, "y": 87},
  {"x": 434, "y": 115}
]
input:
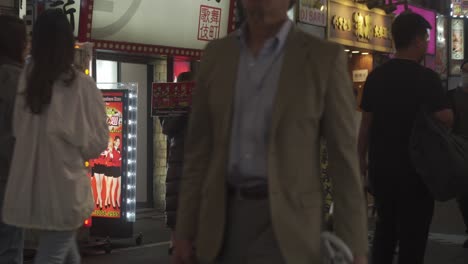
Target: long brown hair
[{"x": 52, "y": 57}]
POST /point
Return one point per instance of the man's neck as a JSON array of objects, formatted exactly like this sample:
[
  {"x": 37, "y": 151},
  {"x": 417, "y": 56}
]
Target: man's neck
[
  {"x": 406, "y": 55},
  {"x": 259, "y": 32}
]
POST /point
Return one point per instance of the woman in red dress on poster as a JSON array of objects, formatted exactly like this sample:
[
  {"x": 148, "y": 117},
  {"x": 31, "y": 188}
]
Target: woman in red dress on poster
[
  {"x": 108, "y": 173},
  {"x": 99, "y": 171},
  {"x": 116, "y": 172}
]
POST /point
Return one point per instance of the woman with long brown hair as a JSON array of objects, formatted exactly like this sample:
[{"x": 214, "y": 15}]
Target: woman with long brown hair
[{"x": 59, "y": 123}]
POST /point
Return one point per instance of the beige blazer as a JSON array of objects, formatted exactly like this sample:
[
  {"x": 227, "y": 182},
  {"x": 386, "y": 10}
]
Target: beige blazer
[{"x": 314, "y": 99}]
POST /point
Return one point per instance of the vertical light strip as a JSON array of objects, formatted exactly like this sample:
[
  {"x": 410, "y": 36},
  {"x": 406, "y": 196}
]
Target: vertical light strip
[{"x": 132, "y": 160}]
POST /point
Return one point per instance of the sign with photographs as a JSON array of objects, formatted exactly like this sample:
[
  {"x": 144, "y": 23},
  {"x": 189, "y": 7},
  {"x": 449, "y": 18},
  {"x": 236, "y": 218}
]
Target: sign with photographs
[
  {"x": 172, "y": 99},
  {"x": 459, "y": 8},
  {"x": 106, "y": 170},
  {"x": 458, "y": 39}
]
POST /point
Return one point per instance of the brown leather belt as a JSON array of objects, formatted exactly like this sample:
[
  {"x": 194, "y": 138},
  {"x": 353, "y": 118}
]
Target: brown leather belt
[{"x": 248, "y": 193}]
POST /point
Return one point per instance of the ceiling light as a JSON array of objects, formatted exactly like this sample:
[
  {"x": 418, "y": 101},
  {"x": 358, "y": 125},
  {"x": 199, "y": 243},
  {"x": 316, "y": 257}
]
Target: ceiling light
[
  {"x": 365, "y": 53},
  {"x": 355, "y": 52},
  {"x": 347, "y": 50}
]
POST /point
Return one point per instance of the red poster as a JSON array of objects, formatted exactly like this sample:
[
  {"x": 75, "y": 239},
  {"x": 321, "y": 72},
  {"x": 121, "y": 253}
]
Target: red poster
[
  {"x": 171, "y": 99},
  {"x": 106, "y": 171}
]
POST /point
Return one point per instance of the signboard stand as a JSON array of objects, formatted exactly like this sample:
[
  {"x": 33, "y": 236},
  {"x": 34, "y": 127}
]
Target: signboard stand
[
  {"x": 113, "y": 174},
  {"x": 171, "y": 99}
]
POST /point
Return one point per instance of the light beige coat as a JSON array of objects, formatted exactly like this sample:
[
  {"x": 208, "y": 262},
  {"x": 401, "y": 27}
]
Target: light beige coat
[
  {"x": 47, "y": 187},
  {"x": 314, "y": 99}
]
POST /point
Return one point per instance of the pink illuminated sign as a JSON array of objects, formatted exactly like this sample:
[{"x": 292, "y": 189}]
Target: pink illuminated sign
[{"x": 430, "y": 16}]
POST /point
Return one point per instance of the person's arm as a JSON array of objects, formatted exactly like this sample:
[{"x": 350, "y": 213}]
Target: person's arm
[
  {"x": 197, "y": 156},
  {"x": 363, "y": 141},
  {"x": 436, "y": 100},
  {"x": 340, "y": 130}
]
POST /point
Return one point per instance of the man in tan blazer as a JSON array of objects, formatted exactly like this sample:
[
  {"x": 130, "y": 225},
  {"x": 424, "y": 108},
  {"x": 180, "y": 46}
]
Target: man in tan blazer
[{"x": 251, "y": 189}]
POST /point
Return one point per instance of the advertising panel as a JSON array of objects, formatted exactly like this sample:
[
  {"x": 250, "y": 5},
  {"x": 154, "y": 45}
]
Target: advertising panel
[
  {"x": 459, "y": 8},
  {"x": 171, "y": 99},
  {"x": 458, "y": 39},
  {"x": 106, "y": 170}
]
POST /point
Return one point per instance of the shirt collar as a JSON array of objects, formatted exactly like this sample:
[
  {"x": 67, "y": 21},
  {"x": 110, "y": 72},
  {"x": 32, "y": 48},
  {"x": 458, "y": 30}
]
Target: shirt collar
[{"x": 279, "y": 38}]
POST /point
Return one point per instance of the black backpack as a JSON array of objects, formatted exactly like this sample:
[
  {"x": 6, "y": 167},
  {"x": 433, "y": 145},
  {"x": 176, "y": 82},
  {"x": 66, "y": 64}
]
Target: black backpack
[{"x": 440, "y": 158}]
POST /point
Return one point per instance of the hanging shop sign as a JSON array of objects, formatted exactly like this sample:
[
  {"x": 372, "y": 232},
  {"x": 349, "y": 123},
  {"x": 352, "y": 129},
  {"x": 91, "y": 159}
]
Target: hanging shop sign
[
  {"x": 313, "y": 12},
  {"x": 188, "y": 24},
  {"x": 430, "y": 16},
  {"x": 441, "y": 52},
  {"x": 458, "y": 40},
  {"x": 354, "y": 25}
]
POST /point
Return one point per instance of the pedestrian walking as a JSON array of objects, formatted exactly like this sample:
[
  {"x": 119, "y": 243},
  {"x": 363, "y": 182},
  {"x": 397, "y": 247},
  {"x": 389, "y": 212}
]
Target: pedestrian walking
[
  {"x": 59, "y": 122},
  {"x": 251, "y": 187},
  {"x": 394, "y": 93},
  {"x": 459, "y": 100},
  {"x": 175, "y": 128}
]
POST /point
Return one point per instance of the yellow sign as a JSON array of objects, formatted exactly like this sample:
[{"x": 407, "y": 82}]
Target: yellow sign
[
  {"x": 355, "y": 25},
  {"x": 341, "y": 23},
  {"x": 362, "y": 25}
]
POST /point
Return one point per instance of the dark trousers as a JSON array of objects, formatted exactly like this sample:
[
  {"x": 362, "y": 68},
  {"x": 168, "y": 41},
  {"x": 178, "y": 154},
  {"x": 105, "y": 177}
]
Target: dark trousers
[
  {"x": 249, "y": 236},
  {"x": 463, "y": 205},
  {"x": 403, "y": 219}
]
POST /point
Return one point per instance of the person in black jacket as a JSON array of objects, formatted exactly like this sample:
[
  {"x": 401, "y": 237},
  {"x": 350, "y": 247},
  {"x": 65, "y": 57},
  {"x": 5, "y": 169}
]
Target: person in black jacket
[
  {"x": 459, "y": 99},
  {"x": 13, "y": 44},
  {"x": 175, "y": 129}
]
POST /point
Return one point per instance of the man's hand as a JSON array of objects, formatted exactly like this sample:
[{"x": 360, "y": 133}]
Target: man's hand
[
  {"x": 183, "y": 252},
  {"x": 360, "y": 260}
]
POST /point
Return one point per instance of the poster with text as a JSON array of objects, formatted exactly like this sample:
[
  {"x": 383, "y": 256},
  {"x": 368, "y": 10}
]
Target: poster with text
[
  {"x": 105, "y": 171},
  {"x": 172, "y": 99}
]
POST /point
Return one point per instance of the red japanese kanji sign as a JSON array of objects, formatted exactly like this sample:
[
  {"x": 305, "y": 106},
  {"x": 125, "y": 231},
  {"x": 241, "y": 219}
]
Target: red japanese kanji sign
[{"x": 209, "y": 23}]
